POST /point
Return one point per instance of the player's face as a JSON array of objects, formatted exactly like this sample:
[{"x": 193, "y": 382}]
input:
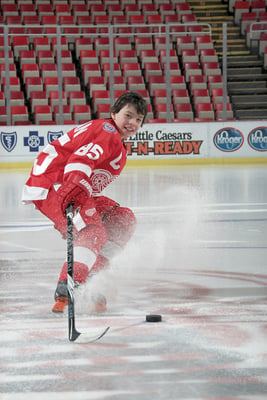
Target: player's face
[{"x": 127, "y": 121}]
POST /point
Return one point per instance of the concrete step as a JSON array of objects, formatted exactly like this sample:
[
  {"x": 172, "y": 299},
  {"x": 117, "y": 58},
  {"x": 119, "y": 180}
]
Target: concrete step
[
  {"x": 244, "y": 63},
  {"x": 218, "y": 19},
  {"x": 254, "y": 99},
  {"x": 251, "y": 72},
  {"x": 251, "y": 114},
  {"x": 247, "y": 85}
]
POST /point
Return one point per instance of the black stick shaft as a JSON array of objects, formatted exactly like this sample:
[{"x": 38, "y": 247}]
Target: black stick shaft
[{"x": 73, "y": 334}]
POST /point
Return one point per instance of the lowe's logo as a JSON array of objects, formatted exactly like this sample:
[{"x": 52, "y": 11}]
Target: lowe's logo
[
  {"x": 257, "y": 139},
  {"x": 228, "y": 139}
]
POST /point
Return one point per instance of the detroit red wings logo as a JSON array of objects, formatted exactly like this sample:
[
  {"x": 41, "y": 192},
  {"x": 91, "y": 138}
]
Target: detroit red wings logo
[{"x": 100, "y": 179}]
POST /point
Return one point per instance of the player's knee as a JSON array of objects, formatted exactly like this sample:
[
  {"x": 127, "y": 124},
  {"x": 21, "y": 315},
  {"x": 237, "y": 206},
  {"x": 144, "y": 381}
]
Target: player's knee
[
  {"x": 92, "y": 237},
  {"x": 120, "y": 225}
]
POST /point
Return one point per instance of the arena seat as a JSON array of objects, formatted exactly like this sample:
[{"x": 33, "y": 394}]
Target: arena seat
[
  {"x": 258, "y": 6},
  {"x": 103, "y": 110},
  {"x": 27, "y": 57},
  {"x": 38, "y": 98},
  {"x": 201, "y": 96},
  {"x": 180, "y": 96},
  {"x": 184, "y": 42},
  {"x": 191, "y": 68},
  {"x": 66, "y": 115},
  {"x": 48, "y": 69},
  {"x": 82, "y": 43},
  {"x": 42, "y": 113},
  {"x": 90, "y": 70},
  {"x": 19, "y": 113},
  {"x": 135, "y": 82},
  {"x": 177, "y": 82},
  {"x": 41, "y": 43},
  {"x": 45, "y": 56},
  {"x": 54, "y": 99},
  {"x": 173, "y": 57},
  {"x": 152, "y": 68},
  {"x": 2, "y": 99},
  {"x": 76, "y": 98},
  {"x": 79, "y": 9},
  {"x": 44, "y": 9},
  {"x": 17, "y": 98},
  {"x": 63, "y": 43},
  {"x": 161, "y": 110},
  {"x": 100, "y": 97},
  {"x": 81, "y": 113},
  {"x": 203, "y": 42},
  {"x": 122, "y": 43},
  {"x": 247, "y": 18},
  {"x": 189, "y": 55},
  {"x": 104, "y": 56},
  {"x": 217, "y": 96},
  {"x": 116, "y": 70},
  {"x": 131, "y": 69},
  {"x": 20, "y": 43},
  {"x": 118, "y": 83},
  {"x": 127, "y": 56},
  {"x": 184, "y": 111},
  {"x": 214, "y": 81},
  {"x": 160, "y": 96},
  {"x": 148, "y": 56},
  {"x": 14, "y": 83},
  {"x": 50, "y": 84},
  {"x": 71, "y": 83},
  {"x": 3, "y": 115},
  {"x": 208, "y": 55},
  {"x": 143, "y": 43},
  {"x": 96, "y": 83},
  {"x": 101, "y": 43},
  {"x": 211, "y": 68},
  {"x": 204, "y": 110},
  {"x": 240, "y": 7},
  {"x": 197, "y": 82},
  {"x": 219, "y": 111}
]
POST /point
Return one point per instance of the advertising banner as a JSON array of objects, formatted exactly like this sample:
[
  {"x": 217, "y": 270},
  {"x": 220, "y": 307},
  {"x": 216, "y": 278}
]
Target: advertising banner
[{"x": 230, "y": 139}]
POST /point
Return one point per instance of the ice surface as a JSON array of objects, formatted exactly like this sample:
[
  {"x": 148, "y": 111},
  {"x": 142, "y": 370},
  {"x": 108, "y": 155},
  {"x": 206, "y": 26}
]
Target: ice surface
[{"x": 198, "y": 258}]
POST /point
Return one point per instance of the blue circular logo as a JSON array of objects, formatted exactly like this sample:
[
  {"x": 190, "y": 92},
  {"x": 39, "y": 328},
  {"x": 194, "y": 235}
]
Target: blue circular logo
[
  {"x": 257, "y": 138},
  {"x": 228, "y": 139},
  {"x": 108, "y": 127}
]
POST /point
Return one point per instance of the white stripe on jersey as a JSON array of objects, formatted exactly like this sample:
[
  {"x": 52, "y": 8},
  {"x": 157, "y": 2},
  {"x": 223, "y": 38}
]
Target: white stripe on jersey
[
  {"x": 30, "y": 193},
  {"x": 78, "y": 167}
]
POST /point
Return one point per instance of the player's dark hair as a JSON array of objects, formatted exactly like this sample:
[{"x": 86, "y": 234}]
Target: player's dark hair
[{"x": 132, "y": 98}]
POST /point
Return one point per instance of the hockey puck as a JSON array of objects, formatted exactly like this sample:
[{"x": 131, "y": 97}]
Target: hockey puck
[{"x": 153, "y": 318}]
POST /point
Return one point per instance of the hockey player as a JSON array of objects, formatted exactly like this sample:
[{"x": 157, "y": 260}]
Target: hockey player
[{"x": 76, "y": 168}]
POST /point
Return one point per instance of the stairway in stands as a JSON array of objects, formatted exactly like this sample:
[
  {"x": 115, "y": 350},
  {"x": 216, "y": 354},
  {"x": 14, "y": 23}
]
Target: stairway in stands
[{"x": 246, "y": 78}]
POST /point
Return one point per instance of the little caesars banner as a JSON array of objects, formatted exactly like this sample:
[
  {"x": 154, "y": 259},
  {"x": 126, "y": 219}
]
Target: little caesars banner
[
  {"x": 167, "y": 140},
  {"x": 230, "y": 139}
]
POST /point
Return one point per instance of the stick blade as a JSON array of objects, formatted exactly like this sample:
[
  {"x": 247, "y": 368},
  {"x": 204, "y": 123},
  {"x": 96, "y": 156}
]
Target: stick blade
[{"x": 88, "y": 336}]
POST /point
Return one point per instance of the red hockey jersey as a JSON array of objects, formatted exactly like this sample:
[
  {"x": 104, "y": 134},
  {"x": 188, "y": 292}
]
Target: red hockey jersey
[{"x": 94, "y": 149}]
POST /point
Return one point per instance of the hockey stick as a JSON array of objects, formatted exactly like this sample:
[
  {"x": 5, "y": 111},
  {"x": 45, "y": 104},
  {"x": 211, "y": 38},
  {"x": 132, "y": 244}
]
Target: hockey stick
[{"x": 74, "y": 335}]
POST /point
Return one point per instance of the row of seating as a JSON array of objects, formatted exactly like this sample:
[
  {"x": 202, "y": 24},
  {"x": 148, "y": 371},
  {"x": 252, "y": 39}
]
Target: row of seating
[
  {"x": 258, "y": 7},
  {"x": 251, "y": 16},
  {"x": 43, "y": 114},
  {"x": 139, "y": 62}
]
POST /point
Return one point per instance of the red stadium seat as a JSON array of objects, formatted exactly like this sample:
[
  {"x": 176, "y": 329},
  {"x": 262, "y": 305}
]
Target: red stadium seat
[
  {"x": 204, "y": 110},
  {"x": 81, "y": 113},
  {"x": 19, "y": 113},
  {"x": 184, "y": 111},
  {"x": 42, "y": 113},
  {"x": 76, "y": 98}
]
